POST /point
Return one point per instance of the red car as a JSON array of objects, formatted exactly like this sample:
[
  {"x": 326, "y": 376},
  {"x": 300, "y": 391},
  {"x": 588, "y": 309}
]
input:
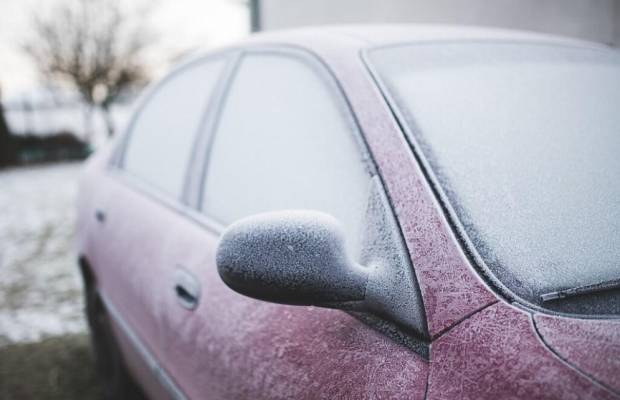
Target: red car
[{"x": 400, "y": 212}]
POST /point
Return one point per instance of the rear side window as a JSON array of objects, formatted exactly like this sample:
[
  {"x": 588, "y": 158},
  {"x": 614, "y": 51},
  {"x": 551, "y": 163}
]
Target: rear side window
[
  {"x": 286, "y": 140},
  {"x": 163, "y": 133}
]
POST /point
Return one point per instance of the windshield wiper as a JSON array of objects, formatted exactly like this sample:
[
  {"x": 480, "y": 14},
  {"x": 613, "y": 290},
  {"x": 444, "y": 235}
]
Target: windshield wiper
[{"x": 581, "y": 290}]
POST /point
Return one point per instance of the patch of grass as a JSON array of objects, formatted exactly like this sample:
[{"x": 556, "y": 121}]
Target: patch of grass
[{"x": 55, "y": 368}]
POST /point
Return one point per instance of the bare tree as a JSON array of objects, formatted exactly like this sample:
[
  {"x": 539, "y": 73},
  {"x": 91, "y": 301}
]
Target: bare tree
[{"x": 95, "y": 45}]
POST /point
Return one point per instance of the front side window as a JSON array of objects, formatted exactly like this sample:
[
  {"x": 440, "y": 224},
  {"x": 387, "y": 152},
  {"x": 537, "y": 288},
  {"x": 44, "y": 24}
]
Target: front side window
[
  {"x": 524, "y": 140},
  {"x": 162, "y": 135},
  {"x": 286, "y": 140}
]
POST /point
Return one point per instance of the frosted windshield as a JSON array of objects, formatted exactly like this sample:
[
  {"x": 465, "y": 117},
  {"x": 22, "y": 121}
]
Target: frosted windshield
[{"x": 524, "y": 140}]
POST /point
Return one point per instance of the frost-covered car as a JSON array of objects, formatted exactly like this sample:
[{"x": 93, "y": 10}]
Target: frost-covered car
[{"x": 400, "y": 212}]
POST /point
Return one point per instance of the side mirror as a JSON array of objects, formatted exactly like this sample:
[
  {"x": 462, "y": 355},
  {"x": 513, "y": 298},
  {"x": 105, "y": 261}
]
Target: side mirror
[
  {"x": 291, "y": 257},
  {"x": 300, "y": 258}
]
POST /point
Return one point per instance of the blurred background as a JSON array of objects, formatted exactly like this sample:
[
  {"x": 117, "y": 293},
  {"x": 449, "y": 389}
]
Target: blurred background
[{"x": 70, "y": 71}]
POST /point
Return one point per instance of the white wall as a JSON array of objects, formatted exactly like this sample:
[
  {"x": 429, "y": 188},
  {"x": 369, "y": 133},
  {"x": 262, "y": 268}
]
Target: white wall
[{"x": 597, "y": 20}]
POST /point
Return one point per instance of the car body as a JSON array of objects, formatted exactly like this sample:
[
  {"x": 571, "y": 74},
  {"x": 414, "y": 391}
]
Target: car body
[{"x": 448, "y": 326}]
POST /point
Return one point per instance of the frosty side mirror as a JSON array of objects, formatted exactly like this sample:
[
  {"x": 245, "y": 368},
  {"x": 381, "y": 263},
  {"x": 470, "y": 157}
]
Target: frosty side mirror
[{"x": 291, "y": 257}]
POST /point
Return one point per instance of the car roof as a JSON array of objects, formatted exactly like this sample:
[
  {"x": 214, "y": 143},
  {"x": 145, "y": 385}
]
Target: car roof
[
  {"x": 328, "y": 40},
  {"x": 368, "y": 36}
]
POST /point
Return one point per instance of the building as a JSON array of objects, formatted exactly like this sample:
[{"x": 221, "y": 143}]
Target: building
[{"x": 596, "y": 20}]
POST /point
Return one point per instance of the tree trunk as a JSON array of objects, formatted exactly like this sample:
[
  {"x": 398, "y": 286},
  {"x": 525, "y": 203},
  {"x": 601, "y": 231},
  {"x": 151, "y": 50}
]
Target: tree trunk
[
  {"x": 109, "y": 121},
  {"x": 7, "y": 145}
]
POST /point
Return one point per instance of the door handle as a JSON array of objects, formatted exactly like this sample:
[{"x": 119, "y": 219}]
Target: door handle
[
  {"x": 186, "y": 289},
  {"x": 100, "y": 216}
]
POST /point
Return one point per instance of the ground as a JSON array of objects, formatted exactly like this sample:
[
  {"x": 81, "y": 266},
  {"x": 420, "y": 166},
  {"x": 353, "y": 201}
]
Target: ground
[
  {"x": 40, "y": 289},
  {"x": 44, "y": 352},
  {"x": 57, "y": 368}
]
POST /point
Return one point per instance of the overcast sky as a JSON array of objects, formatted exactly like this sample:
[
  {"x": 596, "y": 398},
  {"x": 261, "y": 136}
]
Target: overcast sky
[{"x": 179, "y": 24}]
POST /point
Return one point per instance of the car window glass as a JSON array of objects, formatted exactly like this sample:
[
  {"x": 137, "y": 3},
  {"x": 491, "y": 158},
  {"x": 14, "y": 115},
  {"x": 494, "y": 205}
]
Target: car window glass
[
  {"x": 286, "y": 141},
  {"x": 163, "y": 133}
]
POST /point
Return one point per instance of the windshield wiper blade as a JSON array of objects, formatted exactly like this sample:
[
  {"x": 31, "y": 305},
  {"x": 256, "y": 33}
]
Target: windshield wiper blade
[{"x": 581, "y": 290}]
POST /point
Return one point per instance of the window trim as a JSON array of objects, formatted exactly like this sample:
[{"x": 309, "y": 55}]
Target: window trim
[
  {"x": 207, "y": 136},
  {"x": 190, "y": 206},
  {"x": 117, "y": 161}
]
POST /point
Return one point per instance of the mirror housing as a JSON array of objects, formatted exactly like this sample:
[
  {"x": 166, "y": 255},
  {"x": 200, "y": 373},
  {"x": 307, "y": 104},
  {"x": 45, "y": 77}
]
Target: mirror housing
[
  {"x": 291, "y": 257},
  {"x": 299, "y": 258}
]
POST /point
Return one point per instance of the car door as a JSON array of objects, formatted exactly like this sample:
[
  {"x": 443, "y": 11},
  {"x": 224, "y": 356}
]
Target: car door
[
  {"x": 284, "y": 139},
  {"x": 145, "y": 192}
]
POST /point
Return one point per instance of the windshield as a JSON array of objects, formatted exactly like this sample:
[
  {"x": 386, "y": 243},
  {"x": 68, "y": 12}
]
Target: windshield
[{"x": 524, "y": 142}]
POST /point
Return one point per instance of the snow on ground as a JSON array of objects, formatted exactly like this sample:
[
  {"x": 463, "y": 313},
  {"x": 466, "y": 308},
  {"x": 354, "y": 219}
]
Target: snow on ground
[{"x": 40, "y": 287}]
